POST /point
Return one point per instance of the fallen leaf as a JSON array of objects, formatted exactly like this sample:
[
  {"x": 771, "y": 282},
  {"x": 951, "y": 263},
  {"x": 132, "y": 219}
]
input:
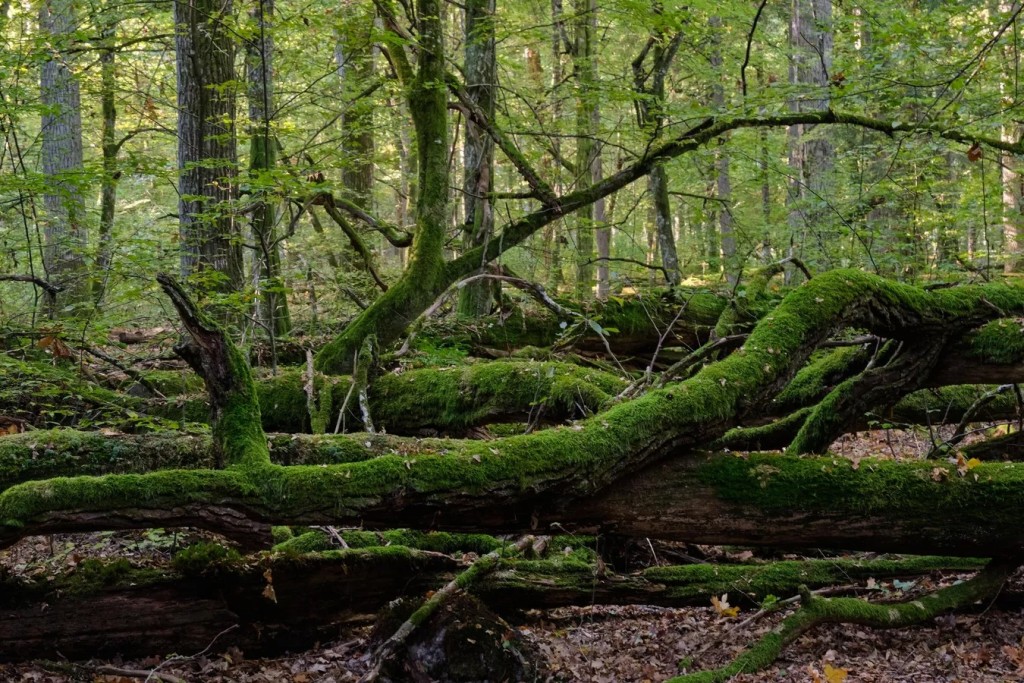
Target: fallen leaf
[
  {"x": 834, "y": 674},
  {"x": 723, "y": 608}
]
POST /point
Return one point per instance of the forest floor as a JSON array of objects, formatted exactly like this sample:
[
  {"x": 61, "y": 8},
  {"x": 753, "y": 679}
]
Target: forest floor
[{"x": 599, "y": 644}]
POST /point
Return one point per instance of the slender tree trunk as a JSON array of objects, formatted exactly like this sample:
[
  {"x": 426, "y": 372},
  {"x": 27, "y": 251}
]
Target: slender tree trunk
[
  {"x": 65, "y": 233},
  {"x": 811, "y": 158},
  {"x": 259, "y": 59},
  {"x": 353, "y": 55},
  {"x": 650, "y": 89},
  {"x": 1013, "y": 202},
  {"x": 481, "y": 72},
  {"x": 587, "y": 149},
  {"x": 949, "y": 234},
  {"x": 108, "y": 191},
  {"x": 207, "y": 159},
  {"x": 723, "y": 182}
]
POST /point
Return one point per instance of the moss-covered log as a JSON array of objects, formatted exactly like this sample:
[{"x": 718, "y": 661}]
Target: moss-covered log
[
  {"x": 753, "y": 500},
  {"x": 448, "y": 399},
  {"x": 519, "y": 482},
  {"x": 109, "y": 608}
]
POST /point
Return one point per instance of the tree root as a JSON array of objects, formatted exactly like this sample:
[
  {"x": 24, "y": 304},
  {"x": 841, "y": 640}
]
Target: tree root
[{"x": 816, "y": 610}]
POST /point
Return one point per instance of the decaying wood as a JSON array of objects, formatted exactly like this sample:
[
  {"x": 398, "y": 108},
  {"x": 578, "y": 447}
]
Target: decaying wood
[{"x": 184, "y": 613}]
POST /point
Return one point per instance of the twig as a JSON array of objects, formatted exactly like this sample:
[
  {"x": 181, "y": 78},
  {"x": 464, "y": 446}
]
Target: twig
[
  {"x": 361, "y": 380},
  {"x": 105, "y": 669},
  {"x": 961, "y": 429},
  {"x": 134, "y": 374}
]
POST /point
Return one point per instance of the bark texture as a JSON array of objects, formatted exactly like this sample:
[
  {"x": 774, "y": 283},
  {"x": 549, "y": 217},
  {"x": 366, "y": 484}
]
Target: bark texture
[
  {"x": 65, "y": 231},
  {"x": 207, "y": 158}
]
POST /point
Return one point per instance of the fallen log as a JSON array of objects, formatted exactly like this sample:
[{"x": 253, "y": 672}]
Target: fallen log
[{"x": 102, "y": 609}]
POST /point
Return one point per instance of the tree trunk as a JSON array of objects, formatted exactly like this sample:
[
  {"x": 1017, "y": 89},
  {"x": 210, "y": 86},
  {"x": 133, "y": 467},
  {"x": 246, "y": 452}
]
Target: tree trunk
[
  {"x": 811, "y": 157},
  {"x": 587, "y": 149},
  {"x": 207, "y": 160},
  {"x": 110, "y": 148},
  {"x": 259, "y": 58},
  {"x": 723, "y": 181},
  {"x": 65, "y": 229},
  {"x": 481, "y": 72}
]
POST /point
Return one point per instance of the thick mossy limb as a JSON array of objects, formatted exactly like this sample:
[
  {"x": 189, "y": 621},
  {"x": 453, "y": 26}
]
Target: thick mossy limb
[
  {"x": 772, "y": 436},
  {"x": 819, "y": 376},
  {"x": 816, "y": 610},
  {"x": 948, "y": 405},
  {"x": 878, "y": 387},
  {"x": 1002, "y": 447},
  {"x": 45, "y": 454},
  {"x": 447, "y": 398},
  {"x": 1000, "y": 342}
]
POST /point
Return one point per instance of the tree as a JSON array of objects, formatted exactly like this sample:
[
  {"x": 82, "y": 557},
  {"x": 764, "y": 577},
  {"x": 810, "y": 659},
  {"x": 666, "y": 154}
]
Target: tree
[
  {"x": 207, "y": 160},
  {"x": 262, "y": 160},
  {"x": 811, "y": 156},
  {"x": 65, "y": 231},
  {"x": 741, "y": 367},
  {"x": 481, "y": 74}
]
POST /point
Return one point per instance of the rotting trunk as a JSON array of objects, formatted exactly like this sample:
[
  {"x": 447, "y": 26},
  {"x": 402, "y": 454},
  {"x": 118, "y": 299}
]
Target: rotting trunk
[
  {"x": 535, "y": 479},
  {"x": 111, "y": 608}
]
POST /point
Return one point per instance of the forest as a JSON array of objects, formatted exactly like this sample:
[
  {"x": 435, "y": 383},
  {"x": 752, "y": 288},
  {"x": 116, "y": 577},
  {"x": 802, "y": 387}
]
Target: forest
[{"x": 548, "y": 340}]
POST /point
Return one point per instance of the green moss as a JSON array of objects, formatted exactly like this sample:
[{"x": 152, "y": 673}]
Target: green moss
[
  {"x": 815, "y": 610},
  {"x": 775, "y": 483},
  {"x": 174, "y": 382},
  {"x": 60, "y": 452},
  {"x": 815, "y": 379},
  {"x": 92, "y": 575},
  {"x": 459, "y": 397},
  {"x": 54, "y": 394},
  {"x": 1000, "y": 342},
  {"x": 580, "y": 459},
  {"x": 201, "y": 557},
  {"x": 771, "y": 436}
]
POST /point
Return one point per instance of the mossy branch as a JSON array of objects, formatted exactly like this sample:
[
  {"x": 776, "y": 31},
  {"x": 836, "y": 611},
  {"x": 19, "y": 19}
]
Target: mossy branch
[
  {"x": 877, "y": 388},
  {"x": 816, "y": 610},
  {"x": 238, "y": 437}
]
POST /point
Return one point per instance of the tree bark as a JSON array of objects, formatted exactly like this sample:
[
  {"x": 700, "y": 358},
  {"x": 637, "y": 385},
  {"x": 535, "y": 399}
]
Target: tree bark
[
  {"x": 207, "y": 159},
  {"x": 811, "y": 156},
  {"x": 65, "y": 231},
  {"x": 481, "y": 72},
  {"x": 259, "y": 60}
]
